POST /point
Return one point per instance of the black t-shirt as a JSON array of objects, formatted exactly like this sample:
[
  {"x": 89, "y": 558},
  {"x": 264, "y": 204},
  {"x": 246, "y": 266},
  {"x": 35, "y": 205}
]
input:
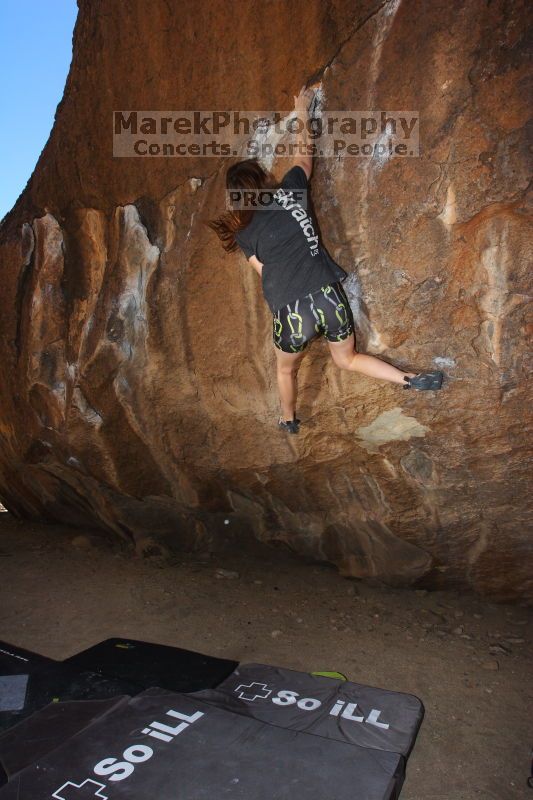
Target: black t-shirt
[{"x": 285, "y": 240}]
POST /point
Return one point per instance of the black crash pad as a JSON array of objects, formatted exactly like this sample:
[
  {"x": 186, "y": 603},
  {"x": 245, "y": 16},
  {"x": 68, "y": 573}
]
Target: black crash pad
[
  {"x": 111, "y": 668},
  {"x": 247, "y": 732},
  {"x": 147, "y": 664},
  {"x": 40, "y": 733},
  {"x": 335, "y": 709},
  {"x": 204, "y": 753}
]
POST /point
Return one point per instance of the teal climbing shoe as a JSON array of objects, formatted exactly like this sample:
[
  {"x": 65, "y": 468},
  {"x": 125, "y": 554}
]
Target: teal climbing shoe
[
  {"x": 424, "y": 381},
  {"x": 289, "y": 425}
]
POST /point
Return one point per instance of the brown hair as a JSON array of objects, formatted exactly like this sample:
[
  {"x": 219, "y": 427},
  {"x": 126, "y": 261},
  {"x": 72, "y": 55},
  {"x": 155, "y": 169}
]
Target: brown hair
[{"x": 247, "y": 174}]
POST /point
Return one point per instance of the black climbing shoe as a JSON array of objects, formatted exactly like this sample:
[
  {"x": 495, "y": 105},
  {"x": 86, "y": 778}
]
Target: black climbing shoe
[
  {"x": 424, "y": 381},
  {"x": 289, "y": 425}
]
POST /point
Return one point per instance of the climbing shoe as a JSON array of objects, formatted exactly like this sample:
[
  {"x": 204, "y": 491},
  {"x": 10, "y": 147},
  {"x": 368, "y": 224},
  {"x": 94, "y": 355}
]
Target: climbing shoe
[
  {"x": 289, "y": 425},
  {"x": 424, "y": 381}
]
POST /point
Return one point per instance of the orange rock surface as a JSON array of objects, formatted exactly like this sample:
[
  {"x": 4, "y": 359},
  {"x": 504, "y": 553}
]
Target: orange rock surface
[{"x": 139, "y": 390}]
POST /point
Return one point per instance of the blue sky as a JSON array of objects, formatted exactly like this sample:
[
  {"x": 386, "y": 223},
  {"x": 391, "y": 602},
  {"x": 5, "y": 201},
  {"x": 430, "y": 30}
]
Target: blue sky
[{"x": 35, "y": 55}]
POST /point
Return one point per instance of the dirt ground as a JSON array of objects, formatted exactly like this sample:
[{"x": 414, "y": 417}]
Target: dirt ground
[{"x": 64, "y": 589}]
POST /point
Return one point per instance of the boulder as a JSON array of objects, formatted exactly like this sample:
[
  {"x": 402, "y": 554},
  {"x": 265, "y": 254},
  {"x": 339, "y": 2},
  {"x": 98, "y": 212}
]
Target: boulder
[{"x": 139, "y": 390}]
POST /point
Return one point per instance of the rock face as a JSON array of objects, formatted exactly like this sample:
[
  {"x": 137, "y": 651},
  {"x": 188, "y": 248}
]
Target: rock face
[{"x": 139, "y": 391}]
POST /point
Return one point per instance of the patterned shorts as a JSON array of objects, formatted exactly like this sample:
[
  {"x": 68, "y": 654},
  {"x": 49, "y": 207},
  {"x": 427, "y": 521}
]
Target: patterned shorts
[{"x": 325, "y": 312}]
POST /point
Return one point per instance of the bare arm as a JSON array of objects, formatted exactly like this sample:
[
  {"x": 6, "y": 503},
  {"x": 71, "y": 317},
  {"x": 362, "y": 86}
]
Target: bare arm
[
  {"x": 256, "y": 264},
  {"x": 301, "y": 106}
]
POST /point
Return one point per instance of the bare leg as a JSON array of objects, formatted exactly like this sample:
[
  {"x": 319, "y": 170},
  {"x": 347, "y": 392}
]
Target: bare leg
[
  {"x": 287, "y": 371},
  {"x": 345, "y": 357}
]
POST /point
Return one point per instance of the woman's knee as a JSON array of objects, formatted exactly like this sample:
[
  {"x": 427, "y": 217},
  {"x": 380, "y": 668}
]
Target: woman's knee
[
  {"x": 344, "y": 363},
  {"x": 288, "y": 369},
  {"x": 288, "y": 363},
  {"x": 343, "y": 359}
]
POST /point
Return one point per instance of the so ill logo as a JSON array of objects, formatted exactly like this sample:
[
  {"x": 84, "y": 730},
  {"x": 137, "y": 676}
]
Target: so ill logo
[
  {"x": 118, "y": 769},
  {"x": 285, "y": 697}
]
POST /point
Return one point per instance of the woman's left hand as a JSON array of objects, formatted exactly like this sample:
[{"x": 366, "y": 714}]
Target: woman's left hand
[{"x": 302, "y": 101}]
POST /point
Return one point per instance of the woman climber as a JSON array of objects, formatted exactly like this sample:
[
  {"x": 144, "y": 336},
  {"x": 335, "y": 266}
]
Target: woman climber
[{"x": 301, "y": 283}]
